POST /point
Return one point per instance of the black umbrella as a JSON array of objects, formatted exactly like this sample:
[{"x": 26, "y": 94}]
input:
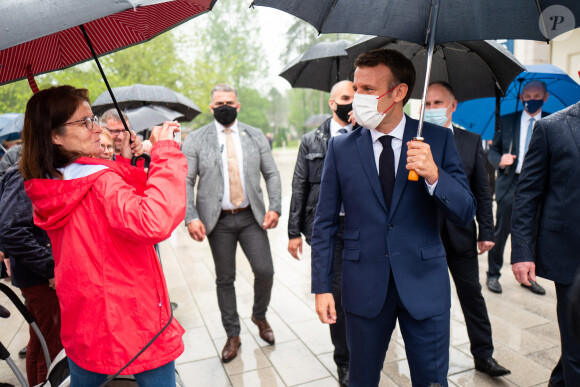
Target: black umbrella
[
  {"x": 147, "y": 117},
  {"x": 320, "y": 67},
  {"x": 474, "y": 69},
  {"x": 428, "y": 22},
  {"x": 135, "y": 96}
]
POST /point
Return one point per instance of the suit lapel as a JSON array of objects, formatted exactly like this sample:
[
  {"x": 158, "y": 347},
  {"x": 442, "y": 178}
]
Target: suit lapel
[
  {"x": 516, "y": 136},
  {"x": 213, "y": 143},
  {"x": 402, "y": 173},
  {"x": 367, "y": 155}
]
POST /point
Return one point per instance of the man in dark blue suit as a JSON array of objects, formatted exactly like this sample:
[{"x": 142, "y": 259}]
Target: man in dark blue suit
[
  {"x": 548, "y": 188},
  {"x": 507, "y": 154},
  {"x": 394, "y": 264}
]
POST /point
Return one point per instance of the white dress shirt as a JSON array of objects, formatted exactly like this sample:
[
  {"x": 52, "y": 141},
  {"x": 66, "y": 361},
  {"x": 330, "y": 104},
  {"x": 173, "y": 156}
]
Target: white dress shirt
[
  {"x": 524, "y": 123},
  {"x": 335, "y": 127},
  {"x": 226, "y": 204},
  {"x": 396, "y": 144}
]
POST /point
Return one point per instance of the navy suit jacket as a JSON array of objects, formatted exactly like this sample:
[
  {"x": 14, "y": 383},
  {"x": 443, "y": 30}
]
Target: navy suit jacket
[
  {"x": 404, "y": 240},
  {"x": 549, "y": 184}
]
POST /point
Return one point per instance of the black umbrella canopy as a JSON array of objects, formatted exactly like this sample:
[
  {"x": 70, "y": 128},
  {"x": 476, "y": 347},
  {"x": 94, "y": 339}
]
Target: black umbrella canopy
[
  {"x": 135, "y": 96},
  {"x": 320, "y": 67},
  {"x": 458, "y": 20},
  {"x": 472, "y": 68}
]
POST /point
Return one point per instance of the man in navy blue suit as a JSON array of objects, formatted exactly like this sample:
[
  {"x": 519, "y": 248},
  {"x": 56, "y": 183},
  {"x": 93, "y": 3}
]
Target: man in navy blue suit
[
  {"x": 548, "y": 188},
  {"x": 394, "y": 264}
]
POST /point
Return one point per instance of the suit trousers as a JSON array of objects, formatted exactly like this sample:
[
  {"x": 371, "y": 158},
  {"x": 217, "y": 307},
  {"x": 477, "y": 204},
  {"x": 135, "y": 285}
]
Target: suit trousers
[
  {"x": 464, "y": 268},
  {"x": 338, "y": 329},
  {"x": 223, "y": 240},
  {"x": 426, "y": 343},
  {"x": 567, "y": 370},
  {"x": 503, "y": 222}
]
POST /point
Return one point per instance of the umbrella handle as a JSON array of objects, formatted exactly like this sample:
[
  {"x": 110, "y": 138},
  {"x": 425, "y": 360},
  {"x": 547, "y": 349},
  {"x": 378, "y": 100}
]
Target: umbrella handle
[
  {"x": 413, "y": 176},
  {"x": 145, "y": 157}
]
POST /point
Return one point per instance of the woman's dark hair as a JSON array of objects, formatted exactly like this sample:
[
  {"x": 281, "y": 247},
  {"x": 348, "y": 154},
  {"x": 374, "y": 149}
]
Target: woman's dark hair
[
  {"x": 46, "y": 113},
  {"x": 401, "y": 67}
]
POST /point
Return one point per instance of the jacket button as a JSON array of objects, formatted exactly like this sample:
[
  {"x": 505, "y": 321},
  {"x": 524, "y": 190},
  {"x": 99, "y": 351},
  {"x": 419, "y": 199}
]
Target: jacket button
[
  {"x": 387, "y": 254},
  {"x": 390, "y": 227},
  {"x": 48, "y": 245}
]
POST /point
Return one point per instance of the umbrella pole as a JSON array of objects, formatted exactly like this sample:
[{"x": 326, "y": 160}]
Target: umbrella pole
[
  {"x": 434, "y": 13},
  {"x": 105, "y": 79}
]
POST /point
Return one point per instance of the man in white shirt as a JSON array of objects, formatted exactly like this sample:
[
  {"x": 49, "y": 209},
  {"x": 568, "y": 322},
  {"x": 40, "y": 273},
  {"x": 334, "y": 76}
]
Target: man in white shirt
[
  {"x": 507, "y": 154},
  {"x": 229, "y": 158}
]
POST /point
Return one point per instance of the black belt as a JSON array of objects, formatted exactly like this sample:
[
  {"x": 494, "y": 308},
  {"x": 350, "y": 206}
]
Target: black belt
[{"x": 235, "y": 210}]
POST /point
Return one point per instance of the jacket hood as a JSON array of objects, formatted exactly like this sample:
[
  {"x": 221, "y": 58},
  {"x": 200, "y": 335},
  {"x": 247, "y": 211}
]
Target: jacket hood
[{"x": 54, "y": 200}]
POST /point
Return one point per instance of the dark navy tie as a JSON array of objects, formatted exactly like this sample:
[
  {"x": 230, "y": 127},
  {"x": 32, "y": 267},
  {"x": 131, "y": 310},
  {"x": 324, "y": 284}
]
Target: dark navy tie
[
  {"x": 342, "y": 131},
  {"x": 387, "y": 169}
]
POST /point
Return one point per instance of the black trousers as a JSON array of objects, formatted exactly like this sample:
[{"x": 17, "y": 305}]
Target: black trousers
[
  {"x": 464, "y": 269},
  {"x": 338, "y": 329},
  {"x": 223, "y": 241},
  {"x": 567, "y": 370},
  {"x": 503, "y": 223}
]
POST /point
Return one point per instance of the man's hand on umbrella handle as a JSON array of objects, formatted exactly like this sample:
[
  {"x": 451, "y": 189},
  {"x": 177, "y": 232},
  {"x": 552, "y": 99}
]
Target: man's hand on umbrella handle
[
  {"x": 420, "y": 160},
  {"x": 507, "y": 159},
  {"x": 524, "y": 272},
  {"x": 484, "y": 246},
  {"x": 196, "y": 230},
  {"x": 325, "y": 308},
  {"x": 164, "y": 132},
  {"x": 295, "y": 247}
]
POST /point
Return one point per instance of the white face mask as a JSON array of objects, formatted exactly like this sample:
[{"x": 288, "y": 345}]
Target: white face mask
[
  {"x": 365, "y": 109},
  {"x": 436, "y": 116}
]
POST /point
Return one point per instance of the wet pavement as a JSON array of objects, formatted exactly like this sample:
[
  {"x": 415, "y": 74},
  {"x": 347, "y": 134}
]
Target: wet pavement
[{"x": 524, "y": 325}]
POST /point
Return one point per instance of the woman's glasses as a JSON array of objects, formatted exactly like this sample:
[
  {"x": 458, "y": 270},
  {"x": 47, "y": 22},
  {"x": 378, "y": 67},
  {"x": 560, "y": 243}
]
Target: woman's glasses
[{"x": 88, "y": 122}]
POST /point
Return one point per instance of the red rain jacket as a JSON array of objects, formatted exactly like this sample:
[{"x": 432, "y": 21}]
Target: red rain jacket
[{"x": 109, "y": 280}]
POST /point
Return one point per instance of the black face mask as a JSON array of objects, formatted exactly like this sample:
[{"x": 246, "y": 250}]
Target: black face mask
[
  {"x": 342, "y": 111},
  {"x": 225, "y": 114}
]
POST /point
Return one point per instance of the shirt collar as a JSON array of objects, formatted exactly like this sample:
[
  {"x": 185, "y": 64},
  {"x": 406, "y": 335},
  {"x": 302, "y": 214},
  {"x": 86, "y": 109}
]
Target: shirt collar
[
  {"x": 335, "y": 126},
  {"x": 396, "y": 133},
  {"x": 220, "y": 128},
  {"x": 526, "y": 116}
]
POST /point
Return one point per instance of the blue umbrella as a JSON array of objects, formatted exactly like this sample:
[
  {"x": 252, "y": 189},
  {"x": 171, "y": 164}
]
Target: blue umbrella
[
  {"x": 10, "y": 124},
  {"x": 478, "y": 115}
]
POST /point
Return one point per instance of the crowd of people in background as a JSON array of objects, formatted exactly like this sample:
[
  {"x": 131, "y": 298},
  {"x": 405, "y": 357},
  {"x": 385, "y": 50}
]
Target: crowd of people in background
[{"x": 78, "y": 225}]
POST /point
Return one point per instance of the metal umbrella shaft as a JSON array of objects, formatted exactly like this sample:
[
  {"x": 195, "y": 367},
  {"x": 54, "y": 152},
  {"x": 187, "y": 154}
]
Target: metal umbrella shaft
[
  {"x": 434, "y": 12},
  {"x": 144, "y": 156}
]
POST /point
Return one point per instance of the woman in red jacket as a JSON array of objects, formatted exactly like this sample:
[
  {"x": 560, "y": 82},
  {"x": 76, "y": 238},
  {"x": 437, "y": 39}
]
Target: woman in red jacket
[{"x": 103, "y": 218}]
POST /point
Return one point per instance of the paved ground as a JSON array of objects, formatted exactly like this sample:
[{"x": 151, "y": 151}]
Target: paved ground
[{"x": 524, "y": 325}]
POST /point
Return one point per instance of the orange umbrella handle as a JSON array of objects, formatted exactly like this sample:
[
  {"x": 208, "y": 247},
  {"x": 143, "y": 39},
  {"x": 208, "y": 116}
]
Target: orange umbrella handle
[{"x": 413, "y": 176}]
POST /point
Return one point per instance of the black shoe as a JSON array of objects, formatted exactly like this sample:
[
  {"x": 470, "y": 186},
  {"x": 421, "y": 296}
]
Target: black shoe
[
  {"x": 490, "y": 367},
  {"x": 493, "y": 284},
  {"x": 343, "y": 376},
  {"x": 6, "y": 385},
  {"x": 22, "y": 353},
  {"x": 173, "y": 305},
  {"x": 535, "y": 288}
]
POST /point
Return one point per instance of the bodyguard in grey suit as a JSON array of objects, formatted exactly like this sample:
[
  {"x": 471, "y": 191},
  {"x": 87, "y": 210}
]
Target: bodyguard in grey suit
[{"x": 228, "y": 156}]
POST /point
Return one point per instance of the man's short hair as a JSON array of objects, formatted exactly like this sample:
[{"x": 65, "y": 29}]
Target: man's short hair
[
  {"x": 401, "y": 67},
  {"x": 113, "y": 115},
  {"x": 536, "y": 82},
  {"x": 223, "y": 87},
  {"x": 444, "y": 85}
]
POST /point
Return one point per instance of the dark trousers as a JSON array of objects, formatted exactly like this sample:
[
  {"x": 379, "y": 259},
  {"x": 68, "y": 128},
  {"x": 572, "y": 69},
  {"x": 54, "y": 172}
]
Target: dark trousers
[
  {"x": 503, "y": 222},
  {"x": 464, "y": 269},
  {"x": 223, "y": 241},
  {"x": 426, "y": 343},
  {"x": 567, "y": 370},
  {"x": 338, "y": 329},
  {"x": 42, "y": 304}
]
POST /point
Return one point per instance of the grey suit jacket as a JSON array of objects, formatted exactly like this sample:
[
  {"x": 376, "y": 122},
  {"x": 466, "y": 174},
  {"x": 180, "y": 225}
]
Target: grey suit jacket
[{"x": 204, "y": 160}]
